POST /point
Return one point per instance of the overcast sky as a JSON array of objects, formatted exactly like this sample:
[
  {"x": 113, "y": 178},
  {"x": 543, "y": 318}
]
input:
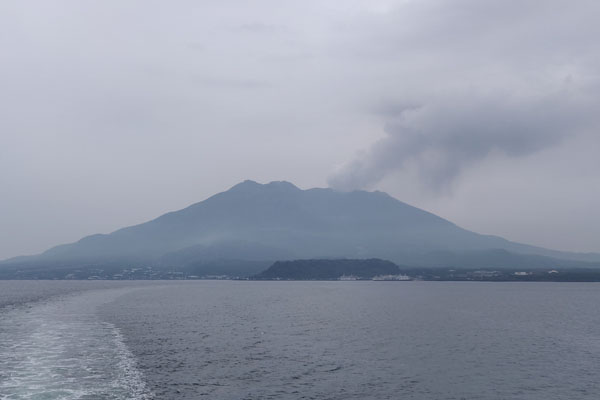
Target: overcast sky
[{"x": 486, "y": 113}]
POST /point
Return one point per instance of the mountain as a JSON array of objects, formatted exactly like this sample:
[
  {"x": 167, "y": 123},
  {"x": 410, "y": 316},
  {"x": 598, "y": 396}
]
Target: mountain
[{"x": 261, "y": 223}]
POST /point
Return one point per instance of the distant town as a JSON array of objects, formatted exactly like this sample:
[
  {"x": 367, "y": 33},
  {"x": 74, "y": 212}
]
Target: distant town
[{"x": 405, "y": 274}]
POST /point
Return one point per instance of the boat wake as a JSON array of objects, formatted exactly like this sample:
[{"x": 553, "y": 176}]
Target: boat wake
[{"x": 61, "y": 349}]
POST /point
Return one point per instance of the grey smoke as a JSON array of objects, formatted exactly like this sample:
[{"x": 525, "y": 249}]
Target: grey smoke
[
  {"x": 472, "y": 80},
  {"x": 443, "y": 137}
]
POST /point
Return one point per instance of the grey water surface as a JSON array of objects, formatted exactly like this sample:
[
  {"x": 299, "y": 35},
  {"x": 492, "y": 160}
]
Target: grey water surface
[{"x": 299, "y": 340}]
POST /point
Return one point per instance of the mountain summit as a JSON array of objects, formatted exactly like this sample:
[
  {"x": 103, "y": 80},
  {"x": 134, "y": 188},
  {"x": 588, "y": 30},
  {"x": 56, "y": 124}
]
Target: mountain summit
[{"x": 267, "y": 222}]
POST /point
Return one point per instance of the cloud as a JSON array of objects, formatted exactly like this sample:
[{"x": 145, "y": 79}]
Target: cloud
[
  {"x": 469, "y": 82},
  {"x": 113, "y": 113}
]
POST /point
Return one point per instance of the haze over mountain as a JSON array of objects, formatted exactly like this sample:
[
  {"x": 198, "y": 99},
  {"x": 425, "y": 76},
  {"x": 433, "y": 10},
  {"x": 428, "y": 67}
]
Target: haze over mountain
[{"x": 254, "y": 222}]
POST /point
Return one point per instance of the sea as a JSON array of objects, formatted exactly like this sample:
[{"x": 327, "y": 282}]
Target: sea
[{"x": 299, "y": 340}]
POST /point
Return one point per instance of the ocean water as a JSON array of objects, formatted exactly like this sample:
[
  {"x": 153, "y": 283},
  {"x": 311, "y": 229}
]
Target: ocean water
[
  {"x": 53, "y": 345},
  {"x": 299, "y": 340}
]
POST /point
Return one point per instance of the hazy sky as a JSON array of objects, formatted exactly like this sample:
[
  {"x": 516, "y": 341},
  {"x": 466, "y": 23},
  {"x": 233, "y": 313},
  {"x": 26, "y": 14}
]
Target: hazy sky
[{"x": 486, "y": 113}]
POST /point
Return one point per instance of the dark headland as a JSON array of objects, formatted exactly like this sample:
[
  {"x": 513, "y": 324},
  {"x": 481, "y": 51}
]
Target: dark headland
[
  {"x": 373, "y": 268},
  {"x": 243, "y": 231}
]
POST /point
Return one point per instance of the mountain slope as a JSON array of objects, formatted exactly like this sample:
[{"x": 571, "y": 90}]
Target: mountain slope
[{"x": 275, "y": 221}]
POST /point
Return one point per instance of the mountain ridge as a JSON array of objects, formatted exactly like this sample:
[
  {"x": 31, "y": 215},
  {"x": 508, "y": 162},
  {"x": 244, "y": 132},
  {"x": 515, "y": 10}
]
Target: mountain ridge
[{"x": 278, "y": 220}]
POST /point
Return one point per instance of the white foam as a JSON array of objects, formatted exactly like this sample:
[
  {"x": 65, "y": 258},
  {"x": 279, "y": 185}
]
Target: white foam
[{"x": 62, "y": 350}]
